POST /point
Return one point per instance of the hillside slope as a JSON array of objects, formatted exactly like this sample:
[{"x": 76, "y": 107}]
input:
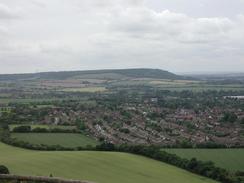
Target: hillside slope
[
  {"x": 128, "y": 73},
  {"x": 100, "y": 167}
]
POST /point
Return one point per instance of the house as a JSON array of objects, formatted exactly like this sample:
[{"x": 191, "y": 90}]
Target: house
[{"x": 154, "y": 100}]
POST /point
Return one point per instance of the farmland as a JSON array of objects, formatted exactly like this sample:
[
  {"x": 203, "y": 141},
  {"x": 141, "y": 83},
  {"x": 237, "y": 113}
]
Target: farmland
[
  {"x": 100, "y": 167},
  {"x": 85, "y": 89},
  {"x": 231, "y": 159},
  {"x": 26, "y": 100},
  {"x": 63, "y": 139}
]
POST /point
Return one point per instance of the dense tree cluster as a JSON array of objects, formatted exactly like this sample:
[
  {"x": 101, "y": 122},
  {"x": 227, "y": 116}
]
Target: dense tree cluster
[
  {"x": 27, "y": 129},
  {"x": 229, "y": 117}
]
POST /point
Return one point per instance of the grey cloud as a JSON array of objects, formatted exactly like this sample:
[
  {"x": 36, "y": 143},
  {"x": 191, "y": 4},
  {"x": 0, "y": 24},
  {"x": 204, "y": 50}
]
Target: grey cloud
[
  {"x": 8, "y": 13},
  {"x": 169, "y": 25},
  {"x": 90, "y": 34}
]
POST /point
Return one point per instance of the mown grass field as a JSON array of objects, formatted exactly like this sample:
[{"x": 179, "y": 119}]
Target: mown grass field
[
  {"x": 11, "y": 127},
  {"x": 86, "y": 89},
  {"x": 99, "y": 167},
  {"x": 63, "y": 139},
  {"x": 230, "y": 159},
  {"x": 19, "y": 100}
]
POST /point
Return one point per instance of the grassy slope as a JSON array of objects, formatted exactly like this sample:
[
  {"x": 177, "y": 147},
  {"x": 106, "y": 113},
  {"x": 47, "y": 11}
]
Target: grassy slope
[
  {"x": 231, "y": 159},
  {"x": 100, "y": 167},
  {"x": 63, "y": 139}
]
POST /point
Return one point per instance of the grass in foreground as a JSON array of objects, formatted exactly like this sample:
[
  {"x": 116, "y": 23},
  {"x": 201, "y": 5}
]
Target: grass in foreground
[
  {"x": 63, "y": 139},
  {"x": 100, "y": 167},
  {"x": 230, "y": 159}
]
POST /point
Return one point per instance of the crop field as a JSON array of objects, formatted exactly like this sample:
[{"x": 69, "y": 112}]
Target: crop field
[
  {"x": 85, "y": 89},
  {"x": 174, "y": 82},
  {"x": 179, "y": 85},
  {"x": 63, "y": 139},
  {"x": 26, "y": 100},
  {"x": 11, "y": 127},
  {"x": 39, "y": 100},
  {"x": 99, "y": 167},
  {"x": 196, "y": 86},
  {"x": 231, "y": 159}
]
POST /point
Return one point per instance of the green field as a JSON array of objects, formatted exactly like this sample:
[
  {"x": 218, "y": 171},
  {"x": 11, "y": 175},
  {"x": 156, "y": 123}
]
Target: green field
[
  {"x": 63, "y": 139},
  {"x": 11, "y": 127},
  {"x": 99, "y": 167},
  {"x": 85, "y": 89},
  {"x": 179, "y": 85},
  {"x": 39, "y": 100},
  {"x": 230, "y": 159},
  {"x": 27, "y": 100}
]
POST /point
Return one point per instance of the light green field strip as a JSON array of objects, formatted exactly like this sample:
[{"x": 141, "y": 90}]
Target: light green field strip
[
  {"x": 230, "y": 159},
  {"x": 85, "y": 89}
]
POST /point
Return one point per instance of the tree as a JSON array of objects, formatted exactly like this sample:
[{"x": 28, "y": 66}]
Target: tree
[
  {"x": 4, "y": 169},
  {"x": 242, "y": 121},
  {"x": 229, "y": 117},
  {"x": 80, "y": 124}
]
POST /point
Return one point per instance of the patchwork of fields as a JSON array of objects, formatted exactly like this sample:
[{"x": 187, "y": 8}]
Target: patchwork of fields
[
  {"x": 63, "y": 139},
  {"x": 100, "y": 167},
  {"x": 230, "y": 159}
]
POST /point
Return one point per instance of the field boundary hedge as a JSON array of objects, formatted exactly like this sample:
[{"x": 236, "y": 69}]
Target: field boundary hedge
[{"x": 28, "y": 129}]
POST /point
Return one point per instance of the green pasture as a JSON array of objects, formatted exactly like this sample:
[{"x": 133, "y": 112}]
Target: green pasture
[
  {"x": 63, "y": 139},
  {"x": 99, "y": 167},
  {"x": 86, "y": 89},
  {"x": 231, "y": 159}
]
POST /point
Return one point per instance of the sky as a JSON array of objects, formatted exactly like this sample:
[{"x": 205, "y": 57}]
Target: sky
[{"x": 181, "y": 36}]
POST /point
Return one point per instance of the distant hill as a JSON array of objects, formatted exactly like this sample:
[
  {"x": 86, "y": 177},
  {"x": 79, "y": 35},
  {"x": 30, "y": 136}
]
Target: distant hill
[{"x": 106, "y": 74}]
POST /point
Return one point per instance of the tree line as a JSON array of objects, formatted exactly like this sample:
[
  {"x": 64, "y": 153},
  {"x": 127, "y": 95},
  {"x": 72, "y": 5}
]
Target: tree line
[{"x": 28, "y": 129}]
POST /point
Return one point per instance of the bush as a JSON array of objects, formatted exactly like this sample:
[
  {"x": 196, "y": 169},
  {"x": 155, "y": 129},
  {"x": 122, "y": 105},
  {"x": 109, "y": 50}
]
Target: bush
[
  {"x": 22, "y": 129},
  {"x": 124, "y": 130},
  {"x": 40, "y": 130},
  {"x": 4, "y": 169}
]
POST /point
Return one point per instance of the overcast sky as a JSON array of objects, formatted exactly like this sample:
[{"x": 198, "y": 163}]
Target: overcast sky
[{"x": 175, "y": 35}]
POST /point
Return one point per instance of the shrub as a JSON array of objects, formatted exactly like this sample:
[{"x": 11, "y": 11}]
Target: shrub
[
  {"x": 4, "y": 169},
  {"x": 124, "y": 130},
  {"x": 22, "y": 129},
  {"x": 40, "y": 130}
]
